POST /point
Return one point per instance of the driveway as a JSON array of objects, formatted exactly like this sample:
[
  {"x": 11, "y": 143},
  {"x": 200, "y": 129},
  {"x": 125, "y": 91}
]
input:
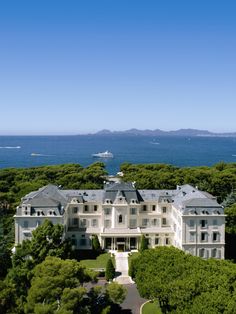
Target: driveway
[{"x": 133, "y": 300}]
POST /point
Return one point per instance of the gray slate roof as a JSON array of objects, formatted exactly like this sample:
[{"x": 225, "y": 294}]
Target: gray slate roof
[
  {"x": 127, "y": 190},
  {"x": 183, "y": 197}
]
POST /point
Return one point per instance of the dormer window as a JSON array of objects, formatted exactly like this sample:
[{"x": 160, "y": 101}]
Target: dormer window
[{"x": 120, "y": 219}]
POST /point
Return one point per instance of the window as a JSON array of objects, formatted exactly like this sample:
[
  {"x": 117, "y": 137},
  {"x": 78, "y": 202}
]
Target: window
[
  {"x": 192, "y": 237},
  {"x": 133, "y": 211},
  {"x": 83, "y": 242},
  {"x": 214, "y": 253},
  {"x": 107, "y": 211},
  {"x": 215, "y": 223},
  {"x": 157, "y": 241},
  {"x": 203, "y": 223},
  {"x": 144, "y": 208},
  {"x": 85, "y": 208},
  {"x": 202, "y": 252},
  {"x": 164, "y": 222},
  {"x": 153, "y": 207},
  {"x": 73, "y": 242},
  {"x": 107, "y": 223},
  {"x": 145, "y": 222},
  {"x": 38, "y": 223},
  {"x": 94, "y": 222},
  {"x": 83, "y": 223},
  {"x": 75, "y": 221},
  {"x": 120, "y": 219},
  {"x": 204, "y": 237},
  {"x": 74, "y": 210},
  {"x": 215, "y": 236},
  {"x": 167, "y": 241},
  {"x": 95, "y": 208},
  {"x": 191, "y": 223},
  {"x": 154, "y": 222},
  {"x": 164, "y": 210},
  {"x": 133, "y": 223},
  {"x": 26, "y": 224}
]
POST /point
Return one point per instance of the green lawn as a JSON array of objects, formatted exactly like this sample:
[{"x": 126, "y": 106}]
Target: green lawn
[
  {"x": 99, "y": 262},
  {"x": 151, "y": 308}
]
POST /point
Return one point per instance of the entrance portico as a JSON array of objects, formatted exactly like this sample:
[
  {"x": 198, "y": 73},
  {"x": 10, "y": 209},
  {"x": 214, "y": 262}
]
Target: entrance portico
[
  {"x": 120, "y": 243},
  {"x": 120, "y": 239}
]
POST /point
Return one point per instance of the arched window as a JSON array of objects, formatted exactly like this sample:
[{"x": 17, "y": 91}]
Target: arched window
[{"x": 120, "y": 219}]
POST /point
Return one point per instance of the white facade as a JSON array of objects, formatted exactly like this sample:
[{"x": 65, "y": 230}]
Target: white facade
[{"x": 119, "y": 214}]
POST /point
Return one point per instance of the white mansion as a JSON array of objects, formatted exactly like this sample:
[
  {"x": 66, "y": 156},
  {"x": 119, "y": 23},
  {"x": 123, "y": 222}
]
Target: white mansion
[{"x": 186, "y": 218}]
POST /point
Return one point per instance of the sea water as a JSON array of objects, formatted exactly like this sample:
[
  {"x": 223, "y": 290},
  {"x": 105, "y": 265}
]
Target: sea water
[{"x": 29, "y": 151}]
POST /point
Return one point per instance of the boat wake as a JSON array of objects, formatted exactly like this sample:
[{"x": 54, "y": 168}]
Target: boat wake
[
  {"x": 39, "y": 155},
  {"x": 10, "y": 147}
]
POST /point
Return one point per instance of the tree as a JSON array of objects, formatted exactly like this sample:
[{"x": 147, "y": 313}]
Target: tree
[
  {"x": 230, "y": 200},
  {"x": 183, "y": 283},
  {"x": 116, "y": 292},
  {"x": 143, "y": 243},
  {"x": 230, "y": 226},
  {"x": 110, "y": 270},
  {"x": 58, "y": 285},
  {"x": 95, "y": 243}
]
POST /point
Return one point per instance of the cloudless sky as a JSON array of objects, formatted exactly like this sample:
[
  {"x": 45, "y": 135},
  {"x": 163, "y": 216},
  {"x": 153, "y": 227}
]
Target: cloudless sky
[{"x": 69, "y": 67}]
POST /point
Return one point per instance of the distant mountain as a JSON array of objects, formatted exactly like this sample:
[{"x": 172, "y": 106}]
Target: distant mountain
[{"x": 158, "y": 132}]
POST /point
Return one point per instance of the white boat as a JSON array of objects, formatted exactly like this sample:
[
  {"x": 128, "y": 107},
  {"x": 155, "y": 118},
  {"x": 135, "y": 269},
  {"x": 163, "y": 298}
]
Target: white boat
[{"x": 105, "y": 154}]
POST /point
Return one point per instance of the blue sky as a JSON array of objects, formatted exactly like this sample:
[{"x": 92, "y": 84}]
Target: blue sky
[{"x": 69, "y": 67}]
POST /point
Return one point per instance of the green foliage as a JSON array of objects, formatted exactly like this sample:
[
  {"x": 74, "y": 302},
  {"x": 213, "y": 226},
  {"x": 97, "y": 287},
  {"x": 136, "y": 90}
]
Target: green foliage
[
  {"x": 143, "y": 244},
  {"x": 230, "y": 200},
  {"x": 47, "y": 240},
  {"x": 110, "y": 270},
  {"x": 230, "y": 219},
  {"x": 184, "y": 283},
  {"x": 116, "y": 292},
  {"x": 218, "y": 180},
  {"x": 15, "y": 183},
  {"x": 95, "y": 243},
  {"x": 58, "y": 284}
]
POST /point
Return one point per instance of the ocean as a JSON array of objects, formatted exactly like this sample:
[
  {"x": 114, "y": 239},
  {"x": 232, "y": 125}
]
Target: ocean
[{"x": 30, "y": 151}]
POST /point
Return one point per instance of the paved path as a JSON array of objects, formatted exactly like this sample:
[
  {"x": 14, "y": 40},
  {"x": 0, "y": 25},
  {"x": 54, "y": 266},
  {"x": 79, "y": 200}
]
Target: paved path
[
  {"x": 133, "y": 301},
  {"x": 122, "y": 268}
]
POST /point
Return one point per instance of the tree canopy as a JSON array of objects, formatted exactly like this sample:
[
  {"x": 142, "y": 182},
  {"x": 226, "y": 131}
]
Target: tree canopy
[
  {"x": 58, "y": 285},
  {"x": 184, "y": 283},
  {"x": 218, "y": 180}
]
